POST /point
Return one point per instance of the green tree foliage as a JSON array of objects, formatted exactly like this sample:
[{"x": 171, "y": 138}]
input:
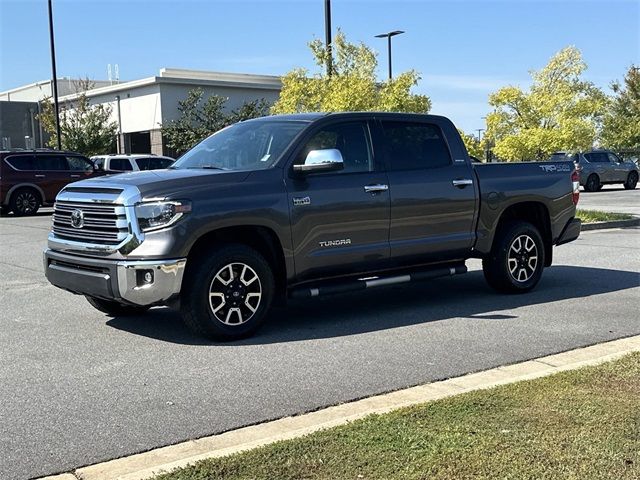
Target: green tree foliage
[
  {"x": 560, "y": 111},
  {"x": 84, "y": 128},
  {"x": 474, "y": 146},
  {"x": 200, "y": 118},
  {"x": 621, "y": 124},
  {"x": 351, "y": 87}
]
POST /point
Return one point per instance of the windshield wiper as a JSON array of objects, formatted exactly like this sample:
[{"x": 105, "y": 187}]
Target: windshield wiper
[{"x": 207, "y": 167}]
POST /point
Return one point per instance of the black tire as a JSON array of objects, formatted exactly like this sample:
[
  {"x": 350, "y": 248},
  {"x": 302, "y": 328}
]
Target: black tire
[
  {"x": 115, "y": 309},
  {"x": 593, "y": 183},
  {"x": 24, "y": 202},
  {"x": 227, "y": 311},
  {"x": 632, "y": 181},
  {"x": 507, "y": 254}
]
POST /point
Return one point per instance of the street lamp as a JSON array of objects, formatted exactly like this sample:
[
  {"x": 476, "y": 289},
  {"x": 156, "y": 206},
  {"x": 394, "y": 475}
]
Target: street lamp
[
  {"x": 55, "y": 77},
  {"x": 388, "y": 36}
]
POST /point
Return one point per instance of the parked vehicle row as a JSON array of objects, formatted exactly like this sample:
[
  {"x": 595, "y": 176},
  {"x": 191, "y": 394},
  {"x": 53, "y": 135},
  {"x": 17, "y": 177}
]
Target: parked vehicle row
[
  {"x": 302, "y": 206},
  {"x": 601, "y": 167},
  {"x": 30, "y": 179}
]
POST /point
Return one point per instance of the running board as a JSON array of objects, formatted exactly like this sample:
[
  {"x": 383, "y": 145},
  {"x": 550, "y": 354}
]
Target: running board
[{"x": 371, "y": 282}]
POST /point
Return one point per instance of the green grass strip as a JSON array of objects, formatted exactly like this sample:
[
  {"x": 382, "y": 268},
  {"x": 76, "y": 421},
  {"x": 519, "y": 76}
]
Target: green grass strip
[{"x": 581, "y": 424}]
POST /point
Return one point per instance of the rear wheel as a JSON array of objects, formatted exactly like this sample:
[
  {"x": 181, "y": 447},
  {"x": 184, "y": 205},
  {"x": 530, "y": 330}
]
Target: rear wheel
[
  {"x": 516, "y": 260},
  {"x": 593, "y": 183},
  {"x": 25, "y": 201},
  {"x": 115, "y": 309},
  {"x": 632, "y": 181},
  {"x": 227, "y": 296}
]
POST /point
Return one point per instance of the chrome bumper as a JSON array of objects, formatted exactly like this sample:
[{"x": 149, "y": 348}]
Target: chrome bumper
[{"x": 116, "y": 280}]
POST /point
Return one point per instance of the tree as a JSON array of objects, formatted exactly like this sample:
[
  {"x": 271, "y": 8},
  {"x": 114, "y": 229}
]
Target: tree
[
  {"x": 352, "y": 85},
  {"x": 560, "y": 111},
  {"x": 198, "y": 119},
  {"x": 474, "y": 146},
  {"x": 621, "y": 123},
  {"x": 84, "y": 128}
]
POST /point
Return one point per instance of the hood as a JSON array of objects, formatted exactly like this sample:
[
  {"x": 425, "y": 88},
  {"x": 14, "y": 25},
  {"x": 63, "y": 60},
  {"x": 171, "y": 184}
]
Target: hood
[{"x": 166, "y": 183}]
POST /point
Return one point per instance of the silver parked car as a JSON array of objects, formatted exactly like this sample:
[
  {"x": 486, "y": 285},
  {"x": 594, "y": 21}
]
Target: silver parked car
[{"x": 601, "y": 167}]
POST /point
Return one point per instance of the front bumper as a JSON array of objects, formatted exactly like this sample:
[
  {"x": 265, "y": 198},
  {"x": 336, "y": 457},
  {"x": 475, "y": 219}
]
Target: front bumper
[{"x": 119, "y": 280}]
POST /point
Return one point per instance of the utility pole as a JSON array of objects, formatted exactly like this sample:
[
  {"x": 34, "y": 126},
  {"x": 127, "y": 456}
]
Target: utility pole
[
  {"x": 54, "y": 83},
  {"x": 327, "y": 36}
]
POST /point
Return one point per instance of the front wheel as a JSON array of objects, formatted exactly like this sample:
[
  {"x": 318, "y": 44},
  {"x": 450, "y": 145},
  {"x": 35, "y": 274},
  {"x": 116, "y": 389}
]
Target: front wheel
[
  {"x": 632, "y": 181},
  {"x": 115, "y": 309},
  {"x": 516, "y": 260},
  {"x": 593, "y": 183},
  {"x": 227, "y": 295}
]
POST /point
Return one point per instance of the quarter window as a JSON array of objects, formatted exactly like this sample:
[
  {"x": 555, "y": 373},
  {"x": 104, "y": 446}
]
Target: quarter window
[
  {"x": 352, "y": 141},
  {"x": 412, "y": 146},
  {"x": 22, "y": 162}
]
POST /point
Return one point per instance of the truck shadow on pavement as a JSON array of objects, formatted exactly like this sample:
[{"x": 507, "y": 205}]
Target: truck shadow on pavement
[{"x": 466, "y": 296}]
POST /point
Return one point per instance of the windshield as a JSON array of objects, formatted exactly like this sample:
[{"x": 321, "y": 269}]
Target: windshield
[{"x": 251, "y": 145}]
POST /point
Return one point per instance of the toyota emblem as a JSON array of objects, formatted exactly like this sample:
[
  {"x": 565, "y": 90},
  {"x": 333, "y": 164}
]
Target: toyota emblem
[{"x": 77, "y": 218}]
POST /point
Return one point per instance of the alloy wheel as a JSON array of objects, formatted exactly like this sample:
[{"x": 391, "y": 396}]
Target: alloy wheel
[
  {"x": 523, "y": 258},
  {"x": 235, "y": 294},
  {"x": 26, "y": 202}
]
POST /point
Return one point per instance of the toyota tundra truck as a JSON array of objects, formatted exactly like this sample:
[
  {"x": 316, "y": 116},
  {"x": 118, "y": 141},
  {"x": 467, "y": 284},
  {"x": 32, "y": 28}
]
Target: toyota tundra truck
[{"x": 301, "y": 206}]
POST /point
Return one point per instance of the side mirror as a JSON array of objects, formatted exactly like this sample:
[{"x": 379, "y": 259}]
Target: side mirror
[{"x": 326, "y": 160}]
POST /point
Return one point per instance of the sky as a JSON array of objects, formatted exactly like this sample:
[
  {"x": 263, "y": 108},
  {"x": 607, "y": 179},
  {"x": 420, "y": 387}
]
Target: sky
[{"x": 463, "y": 50}]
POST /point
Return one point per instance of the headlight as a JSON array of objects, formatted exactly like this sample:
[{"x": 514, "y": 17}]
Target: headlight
[{"x": 156, "y": 215}]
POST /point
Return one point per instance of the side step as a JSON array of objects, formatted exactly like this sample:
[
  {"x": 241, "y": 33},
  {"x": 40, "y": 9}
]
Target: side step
[{"x": 370, "y": 282}]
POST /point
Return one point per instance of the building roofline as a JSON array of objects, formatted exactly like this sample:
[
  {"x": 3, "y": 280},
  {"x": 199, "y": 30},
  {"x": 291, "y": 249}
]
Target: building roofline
[{"x": 189, "y": 77}]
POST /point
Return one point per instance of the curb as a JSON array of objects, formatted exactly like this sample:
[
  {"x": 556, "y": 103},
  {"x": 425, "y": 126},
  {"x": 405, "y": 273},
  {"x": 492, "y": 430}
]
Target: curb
[
  {"x": 632, "y": 222},
  {"x": 144, "y": 465}
]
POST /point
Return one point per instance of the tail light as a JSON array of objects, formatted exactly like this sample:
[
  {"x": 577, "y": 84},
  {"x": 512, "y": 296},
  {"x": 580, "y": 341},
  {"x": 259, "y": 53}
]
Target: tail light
[{"x": 575, "y": 183}]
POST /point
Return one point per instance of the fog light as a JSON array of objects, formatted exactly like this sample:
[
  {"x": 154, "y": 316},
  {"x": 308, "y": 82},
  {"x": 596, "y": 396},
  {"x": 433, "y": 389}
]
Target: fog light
[{"x": 144, "y": 277}]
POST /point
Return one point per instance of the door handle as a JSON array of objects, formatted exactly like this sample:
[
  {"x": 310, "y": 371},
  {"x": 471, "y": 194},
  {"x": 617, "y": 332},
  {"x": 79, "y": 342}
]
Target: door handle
[
  {"x": 40, "y": 176},
  {"x": 75, "y": 176},
  {"x": 462, "y": 182},
  {"x": 376, "y": 188}
]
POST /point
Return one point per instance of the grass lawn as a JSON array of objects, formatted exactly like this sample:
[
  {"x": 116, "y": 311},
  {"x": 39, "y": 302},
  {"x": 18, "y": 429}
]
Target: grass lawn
[
  {"x": 582, "y": 424},
  {"x": 590, "y": 216}
]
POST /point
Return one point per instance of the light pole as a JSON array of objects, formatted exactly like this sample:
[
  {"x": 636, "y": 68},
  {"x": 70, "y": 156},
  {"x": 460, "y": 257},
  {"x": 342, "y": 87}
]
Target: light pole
[
  {"x": 479, "y": 130},
  {"x": 388, "y": 36},
  {"x": 327, "y": 35},
  {"x": 55, "y": 77}
]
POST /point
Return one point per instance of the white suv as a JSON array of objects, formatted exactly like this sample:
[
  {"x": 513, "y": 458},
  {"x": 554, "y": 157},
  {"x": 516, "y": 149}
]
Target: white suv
[{"x": 131, "y": 163}]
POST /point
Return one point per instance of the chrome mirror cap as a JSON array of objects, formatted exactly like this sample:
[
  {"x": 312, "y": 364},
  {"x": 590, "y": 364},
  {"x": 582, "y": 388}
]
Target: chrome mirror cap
[{"x": 325, "y": 160}]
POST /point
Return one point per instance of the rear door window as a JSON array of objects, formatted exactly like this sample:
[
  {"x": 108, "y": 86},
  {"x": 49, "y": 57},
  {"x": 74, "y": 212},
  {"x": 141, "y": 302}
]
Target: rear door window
[
  {"x": 413, "y": 146},
  {"x": 120, "y": 164},
  {"x": 596, "y": 157},
  {"x": 51, "y": 162}
]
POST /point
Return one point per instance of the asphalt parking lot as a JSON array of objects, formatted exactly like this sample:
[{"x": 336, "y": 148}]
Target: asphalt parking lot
[
  {"x": 612, "y": 198},
  {"x": 79, "y": 387}
]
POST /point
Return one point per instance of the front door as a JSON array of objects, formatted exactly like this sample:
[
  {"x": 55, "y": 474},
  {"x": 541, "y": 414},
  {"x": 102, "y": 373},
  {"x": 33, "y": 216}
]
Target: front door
[
  {"x": 433, "y": 198},
  {"x": 339, "y": 220}
]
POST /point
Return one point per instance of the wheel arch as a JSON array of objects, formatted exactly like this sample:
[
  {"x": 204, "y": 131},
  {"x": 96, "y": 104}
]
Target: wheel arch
[
  {"x": 260, "y": 238},
  {"x": 535, "y": 213},
  {"x": 17, "y": 187}
]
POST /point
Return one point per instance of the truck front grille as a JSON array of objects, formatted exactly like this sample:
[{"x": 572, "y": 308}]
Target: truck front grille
[{"x": 100, "y": 223}]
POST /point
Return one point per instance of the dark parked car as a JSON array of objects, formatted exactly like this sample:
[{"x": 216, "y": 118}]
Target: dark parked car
[
  {"x": 31, "y": 178},
  {"x": 303, "y": 206},
  {"x": 601, "y": 167}
]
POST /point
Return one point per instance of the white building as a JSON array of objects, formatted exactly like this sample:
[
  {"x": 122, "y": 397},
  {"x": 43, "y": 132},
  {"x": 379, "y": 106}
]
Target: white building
[{"x": 140, "y": 107}]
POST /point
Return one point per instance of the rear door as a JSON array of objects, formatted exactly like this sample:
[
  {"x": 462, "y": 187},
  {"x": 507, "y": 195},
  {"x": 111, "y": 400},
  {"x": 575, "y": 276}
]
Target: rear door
[
  {"x": 339, "y": 220},
  {"x": 51, "y": 173},
  {"x": 433, "y": 193},
  {"x": 599, "y": 163}
]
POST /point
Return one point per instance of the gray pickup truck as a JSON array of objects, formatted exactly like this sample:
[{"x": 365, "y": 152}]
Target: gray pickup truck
[
  {"x": 301, "y": 206},
  {"x": 601, "y": 167}
]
